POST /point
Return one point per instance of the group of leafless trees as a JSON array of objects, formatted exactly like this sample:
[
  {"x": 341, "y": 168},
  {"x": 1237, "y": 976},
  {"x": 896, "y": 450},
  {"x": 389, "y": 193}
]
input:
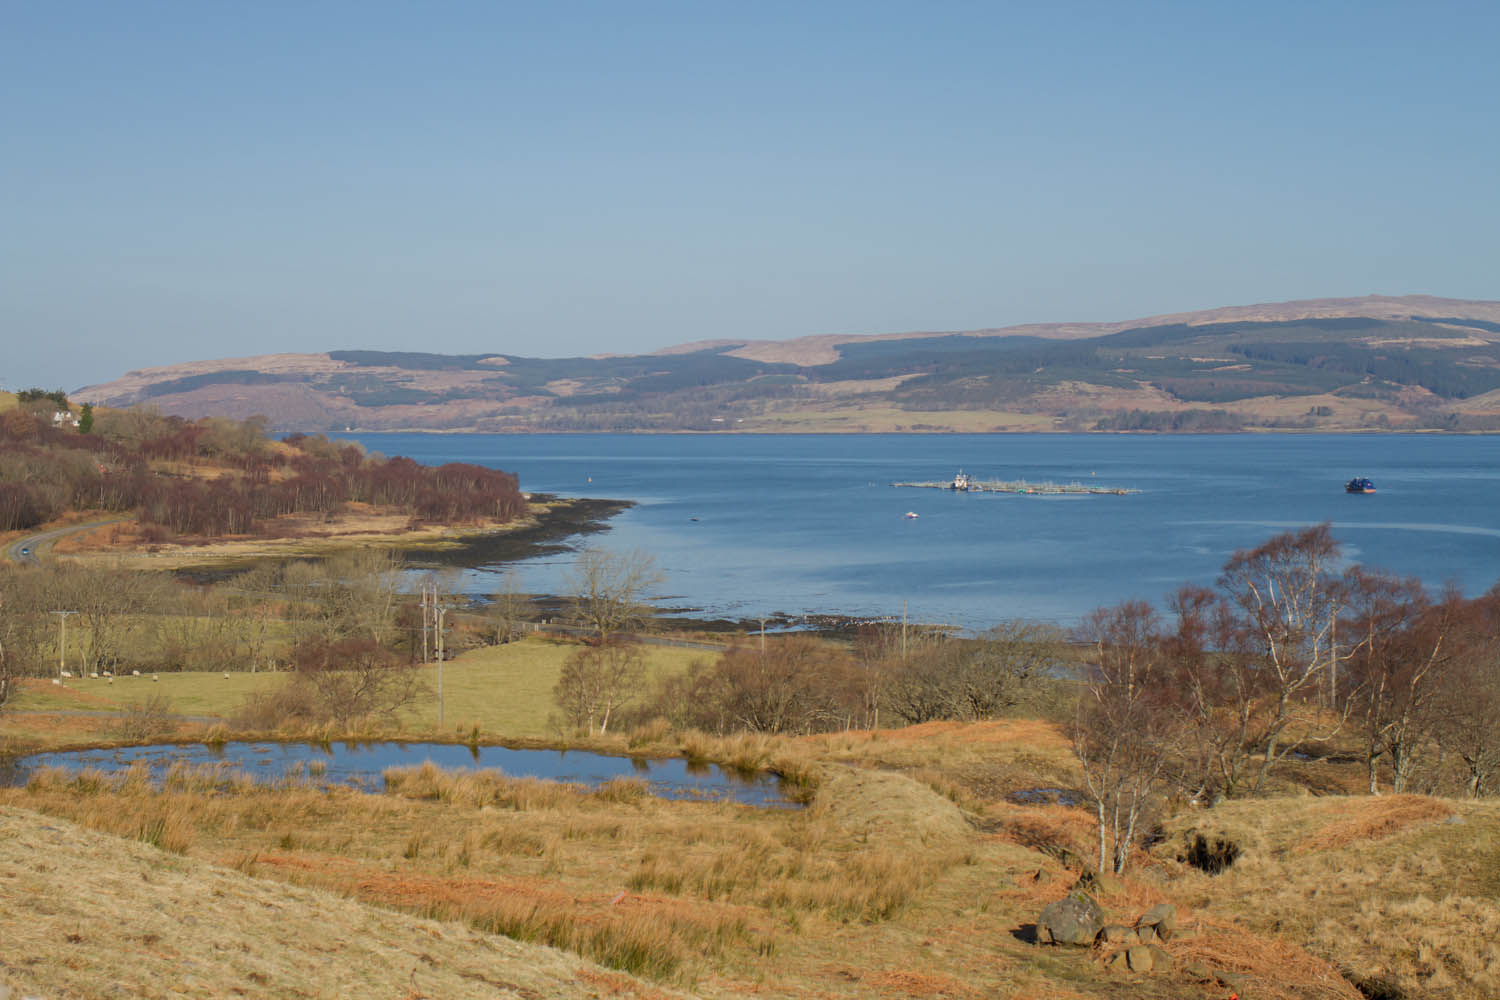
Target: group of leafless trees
[
  {"x": 794, "y": 683},
  {"x": 801, "y": 684},
  {"x": 336, "y": 627},
  {"x": 1286, "y": 658},
  {"x": 137, "y": 460}
]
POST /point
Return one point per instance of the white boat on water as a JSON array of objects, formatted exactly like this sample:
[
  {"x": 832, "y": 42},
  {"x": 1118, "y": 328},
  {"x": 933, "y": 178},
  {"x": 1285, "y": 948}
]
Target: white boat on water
[{"x": 911, "y": 514}]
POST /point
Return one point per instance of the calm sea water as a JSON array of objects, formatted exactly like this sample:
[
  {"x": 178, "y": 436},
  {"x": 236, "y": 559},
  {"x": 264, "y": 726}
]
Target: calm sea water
[{"x": 745, "y": 526}]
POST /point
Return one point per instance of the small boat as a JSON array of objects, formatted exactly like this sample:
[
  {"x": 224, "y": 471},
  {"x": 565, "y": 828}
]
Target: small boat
[
  {"x": 962, "y": 482},
  {"x": 911, "y": 514},
  {"x": 1359, "y": 485}
]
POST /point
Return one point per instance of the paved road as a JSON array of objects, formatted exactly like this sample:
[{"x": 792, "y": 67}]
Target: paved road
[{"x": 32, "y": 547}]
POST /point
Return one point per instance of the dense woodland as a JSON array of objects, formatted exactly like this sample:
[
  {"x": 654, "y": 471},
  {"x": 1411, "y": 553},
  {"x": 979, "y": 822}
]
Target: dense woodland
[{"x": 215, "y": 477}]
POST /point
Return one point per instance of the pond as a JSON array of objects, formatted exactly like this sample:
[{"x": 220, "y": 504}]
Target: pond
[{"x": 361, "y": 765}]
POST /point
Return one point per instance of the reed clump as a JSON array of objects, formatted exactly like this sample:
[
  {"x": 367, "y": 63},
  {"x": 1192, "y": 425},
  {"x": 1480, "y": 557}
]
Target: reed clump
[{"x": 478, "y": 789}]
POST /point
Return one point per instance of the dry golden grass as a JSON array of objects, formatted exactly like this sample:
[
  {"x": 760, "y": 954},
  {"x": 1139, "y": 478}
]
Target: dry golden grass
[
  {"x": 1384, "y": 888},
  {"x": 87, "y": 915},
  {"x": 969, "y": 762},
  {"x": 1374, "y": 818},
  {"x": 883, "y": 887}
]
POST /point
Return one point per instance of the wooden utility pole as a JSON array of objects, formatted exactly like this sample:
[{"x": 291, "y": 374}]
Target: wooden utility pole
[
  {"x": 441, "y": 612},
  {"x": 62, "y": 639},
  {"x": 429, "y": 612}
]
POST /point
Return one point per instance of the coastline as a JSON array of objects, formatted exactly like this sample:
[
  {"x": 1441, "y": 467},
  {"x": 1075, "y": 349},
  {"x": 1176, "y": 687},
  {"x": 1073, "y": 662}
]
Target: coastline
[
  {"x": 544, "y": 533},
  {"x": 551, "y": 520}
]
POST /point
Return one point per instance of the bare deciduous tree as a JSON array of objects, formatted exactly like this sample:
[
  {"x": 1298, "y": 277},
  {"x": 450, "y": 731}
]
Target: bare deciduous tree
[
  {"x": 353, "y": 594},
  {"x": 1121, "y": 734},
  {"x": 598, "y": 680},
  {"x": 1400, "y": 650},
  {"x": 1287, "y": 602},
  {"x": 509, "y": 609},
  {"x": 608, "y": 590},
  {"x": 107, "y": 601},
  {"x": 946, "y": 677},
  {"x": 1468, "y": 725},
  {"x": 354, "y": 678}
]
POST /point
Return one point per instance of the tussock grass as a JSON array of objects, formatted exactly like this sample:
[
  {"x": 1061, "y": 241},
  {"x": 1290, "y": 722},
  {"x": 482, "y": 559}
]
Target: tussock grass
[
  {"x": 882, "y": 808},
  {"x": 649, "y": 733},
  {"x": 1381, "y": 887},
  {"x": 476, "y": 789}
]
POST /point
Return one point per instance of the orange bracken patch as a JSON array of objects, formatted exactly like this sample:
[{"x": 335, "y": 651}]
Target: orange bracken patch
[
  {"x": 55, "y": 726},
  {"x": 409, "y": 889},
  {"x": 417, "y": 892},
  {"x": 1276, "y": 969},
  {"x": 68, "y": 691},
  {"x": 1045, "y": 827},
  {"x": 1372, "y": 818},
  {"x": 919, "y": 984},
  {"x": 615, "y": 984},
  {"x": 1035, "y": 734}
]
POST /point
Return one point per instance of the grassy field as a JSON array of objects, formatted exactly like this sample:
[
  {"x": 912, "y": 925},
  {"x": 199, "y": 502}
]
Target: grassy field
[
  {"x": 507, "y": 690},
  {"x": 504, "y": 690}
]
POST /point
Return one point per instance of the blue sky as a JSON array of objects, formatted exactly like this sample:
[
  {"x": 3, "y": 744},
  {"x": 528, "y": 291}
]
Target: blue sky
[{"x": 201, "y": 180}]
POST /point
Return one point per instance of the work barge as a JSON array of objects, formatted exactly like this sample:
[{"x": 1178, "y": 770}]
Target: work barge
[{"x": 964, "y": 483}]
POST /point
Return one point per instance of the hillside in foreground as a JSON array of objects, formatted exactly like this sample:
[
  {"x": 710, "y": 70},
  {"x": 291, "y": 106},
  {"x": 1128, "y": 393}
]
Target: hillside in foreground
[
  {"x": 1412, "y": 362},
  {"x": 881, "y": 887},
  {"x": 91, "y": 915}
]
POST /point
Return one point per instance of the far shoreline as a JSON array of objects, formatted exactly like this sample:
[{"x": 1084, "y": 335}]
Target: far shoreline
[{"x": 550, "y": 521}]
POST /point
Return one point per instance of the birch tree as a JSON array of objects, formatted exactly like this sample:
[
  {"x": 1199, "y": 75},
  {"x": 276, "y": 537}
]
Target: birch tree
[
  {"x": 1120, "y": 735},
  {"x": 1287, "y": 600},
  {"x": 597, "y": 681}
]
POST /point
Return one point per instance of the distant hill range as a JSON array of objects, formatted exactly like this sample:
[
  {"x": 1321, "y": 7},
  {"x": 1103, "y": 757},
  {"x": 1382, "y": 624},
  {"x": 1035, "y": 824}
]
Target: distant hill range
[{"x": 1410, "y": 362}]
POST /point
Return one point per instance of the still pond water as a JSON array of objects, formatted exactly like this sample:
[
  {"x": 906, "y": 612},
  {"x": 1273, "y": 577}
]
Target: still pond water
[
  {"x": 361, "y": 765},
  {"x": 752, "y": 525}
]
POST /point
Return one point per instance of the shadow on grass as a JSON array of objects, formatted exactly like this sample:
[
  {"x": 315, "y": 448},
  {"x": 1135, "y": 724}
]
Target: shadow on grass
[{"x": 1026, "y": 933}]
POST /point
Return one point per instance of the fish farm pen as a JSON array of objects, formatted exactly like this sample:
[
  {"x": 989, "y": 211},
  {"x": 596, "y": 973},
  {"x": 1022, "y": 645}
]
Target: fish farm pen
[{"x": 1022, "y": 486}]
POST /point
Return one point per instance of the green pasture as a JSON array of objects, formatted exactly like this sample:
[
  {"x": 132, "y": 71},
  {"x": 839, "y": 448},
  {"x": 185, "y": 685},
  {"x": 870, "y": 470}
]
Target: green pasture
[{"x": 505, "y": 690}]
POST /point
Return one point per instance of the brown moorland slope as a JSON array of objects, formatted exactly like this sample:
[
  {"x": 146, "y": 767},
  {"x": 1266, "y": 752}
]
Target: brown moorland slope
[
  {"x": 89, "y": 915},
  {"x": 882, "y": 888}
]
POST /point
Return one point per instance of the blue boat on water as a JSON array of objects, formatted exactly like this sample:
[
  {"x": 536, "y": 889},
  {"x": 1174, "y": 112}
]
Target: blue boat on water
[{"x": 1359, "y": 485}]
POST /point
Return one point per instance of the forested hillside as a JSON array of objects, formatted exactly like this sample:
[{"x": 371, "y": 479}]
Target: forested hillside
[
  {"x": 215, "y": 477},
  {"x": 1412, "y": 364}
]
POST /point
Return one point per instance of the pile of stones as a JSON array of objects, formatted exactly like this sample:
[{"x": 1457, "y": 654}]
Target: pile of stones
[{"x": 1078, "y": 921}]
